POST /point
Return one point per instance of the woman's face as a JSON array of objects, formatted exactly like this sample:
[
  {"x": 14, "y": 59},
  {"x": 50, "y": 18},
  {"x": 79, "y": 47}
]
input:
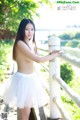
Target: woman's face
[{"x": 29, "y": 31}]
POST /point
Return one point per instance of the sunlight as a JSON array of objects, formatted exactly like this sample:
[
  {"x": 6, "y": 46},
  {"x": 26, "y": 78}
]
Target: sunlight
[{"x": 60, "y": 16}]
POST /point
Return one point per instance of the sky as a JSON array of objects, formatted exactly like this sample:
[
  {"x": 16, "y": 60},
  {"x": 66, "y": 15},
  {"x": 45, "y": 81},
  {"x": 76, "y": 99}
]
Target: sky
[{"x": 60, "y": 17}]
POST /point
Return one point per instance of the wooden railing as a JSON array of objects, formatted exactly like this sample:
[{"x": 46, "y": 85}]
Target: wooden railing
[{"x": 74, "y": 60}]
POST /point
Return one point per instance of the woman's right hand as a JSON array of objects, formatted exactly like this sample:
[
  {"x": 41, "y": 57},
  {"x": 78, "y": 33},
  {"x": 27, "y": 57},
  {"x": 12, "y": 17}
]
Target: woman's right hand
[{"x": 57, "y": 53}]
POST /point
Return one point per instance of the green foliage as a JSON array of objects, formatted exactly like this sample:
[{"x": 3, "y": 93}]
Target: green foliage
[
  {"x": 78, "y": 45},
  {"x": 69, "y": 36},
  {"x": 69, "y": 105},
  {"x": 72, "y": 43},
  {"x": 5, "y": 57},
  {"x": 65, "y": 36},
  {"x": 69, "y": 43},
  {"x": 63, "y": 43},
  {"x": 43, "y": 70},
  {"x": 71, "y": 108},
  {"x": 13, "y": 11},
  {"x": 77, "y": 36},
  {"x": 70, "y": 39},
  {"x": 66, "y": 72}
]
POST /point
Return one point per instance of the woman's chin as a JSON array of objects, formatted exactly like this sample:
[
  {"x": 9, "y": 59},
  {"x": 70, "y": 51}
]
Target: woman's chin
[{"x": 29, "y": 38}]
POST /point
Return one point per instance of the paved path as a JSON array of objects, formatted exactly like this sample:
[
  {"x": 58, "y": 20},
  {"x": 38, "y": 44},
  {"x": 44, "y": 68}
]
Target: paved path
[{"x": 12, "y": 112}]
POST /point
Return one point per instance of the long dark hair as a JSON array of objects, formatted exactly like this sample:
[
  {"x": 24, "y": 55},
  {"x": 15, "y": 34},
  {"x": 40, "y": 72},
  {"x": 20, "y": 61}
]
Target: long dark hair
[{"x": 21, "y": 34}]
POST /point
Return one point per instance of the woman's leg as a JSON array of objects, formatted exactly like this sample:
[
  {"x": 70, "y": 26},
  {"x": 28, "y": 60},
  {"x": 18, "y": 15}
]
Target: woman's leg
[{"x": 24, "y": 113}]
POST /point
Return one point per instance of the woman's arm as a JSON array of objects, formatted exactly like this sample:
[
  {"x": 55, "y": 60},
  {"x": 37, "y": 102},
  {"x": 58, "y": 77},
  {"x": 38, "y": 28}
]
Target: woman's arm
[{"x": 27, "y": 52}]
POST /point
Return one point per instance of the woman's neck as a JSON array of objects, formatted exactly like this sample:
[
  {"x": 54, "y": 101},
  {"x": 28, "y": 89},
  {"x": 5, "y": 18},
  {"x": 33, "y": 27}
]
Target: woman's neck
[{"x": 28, "y": 41}]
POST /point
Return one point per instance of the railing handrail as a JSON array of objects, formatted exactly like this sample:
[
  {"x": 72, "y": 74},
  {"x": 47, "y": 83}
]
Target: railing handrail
[
  {"x": 72, "y": 51},
  {"x": 68, "y": 50},
  {"x": 57, "y": 102},
  {"x": 71, "y": 59},
  {"x": 67, "y": 57},
  {"x": 75, "y": 97},
  {"x": 61, "y": 108}
]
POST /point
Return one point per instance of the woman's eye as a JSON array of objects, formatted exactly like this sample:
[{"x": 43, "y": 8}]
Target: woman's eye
[
  {"x": 32, "y": 29},
  {"x": 26, "y": 29}
]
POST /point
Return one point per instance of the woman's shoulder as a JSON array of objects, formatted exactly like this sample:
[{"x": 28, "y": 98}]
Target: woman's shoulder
[
  {"x": 22, "y": 46},
  {"x": 20, "y": 43}
]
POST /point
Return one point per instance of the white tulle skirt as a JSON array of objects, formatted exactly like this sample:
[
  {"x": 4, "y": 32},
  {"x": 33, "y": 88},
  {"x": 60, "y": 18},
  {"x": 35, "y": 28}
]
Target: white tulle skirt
[{"x": 25, "y": 90}]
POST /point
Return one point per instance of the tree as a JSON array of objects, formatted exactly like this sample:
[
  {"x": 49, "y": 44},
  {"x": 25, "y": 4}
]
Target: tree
[
  {"x": 77, "y": 36},
  {"x": 67, "y": 73},
  {"x": 12, "y": 11},
  {"x": 65, "y": 36}
]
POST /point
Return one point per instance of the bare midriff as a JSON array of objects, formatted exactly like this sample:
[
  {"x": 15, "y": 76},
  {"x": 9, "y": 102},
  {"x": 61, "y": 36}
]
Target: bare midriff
[
  {"x": 24, "y": 64},
  {"x": 26, "y": 67}
]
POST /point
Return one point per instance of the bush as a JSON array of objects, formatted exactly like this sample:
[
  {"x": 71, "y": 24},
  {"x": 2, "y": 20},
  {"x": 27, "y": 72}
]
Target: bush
[
  {"x": 5, "y": 57},
  {"x": 66, "y": 72}
]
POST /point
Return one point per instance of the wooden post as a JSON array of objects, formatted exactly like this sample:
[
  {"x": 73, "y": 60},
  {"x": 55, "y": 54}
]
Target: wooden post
[
  {"x": 37, "y": 114},
  {"x": 54, "y": 68},
  {"x": 33, "y": 115},
  {"x": 42, "y": 114}
]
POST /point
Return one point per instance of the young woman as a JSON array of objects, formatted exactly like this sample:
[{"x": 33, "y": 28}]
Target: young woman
[{"x": 25, "y": 90}]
